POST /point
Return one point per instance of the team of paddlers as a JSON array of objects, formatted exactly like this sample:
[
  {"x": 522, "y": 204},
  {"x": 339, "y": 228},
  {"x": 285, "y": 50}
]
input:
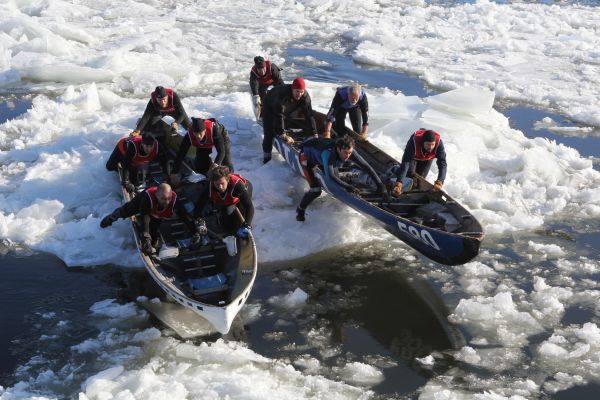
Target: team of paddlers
[{"x": 274, "y": 102}]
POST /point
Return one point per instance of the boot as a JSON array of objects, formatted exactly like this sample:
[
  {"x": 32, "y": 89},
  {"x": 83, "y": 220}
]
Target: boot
[
  {"x": 300, "y": 214},
  {"x": 266, "y": 157},
  {"x": 110, "y": 218}
]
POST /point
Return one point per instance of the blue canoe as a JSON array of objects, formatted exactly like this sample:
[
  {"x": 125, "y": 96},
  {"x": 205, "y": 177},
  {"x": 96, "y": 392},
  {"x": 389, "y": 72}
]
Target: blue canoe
[{"x": 430, "y": 222}]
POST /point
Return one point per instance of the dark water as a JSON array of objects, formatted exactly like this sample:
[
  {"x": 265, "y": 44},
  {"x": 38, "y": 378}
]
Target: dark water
[
  {"x": 378, "y": 311},
  {"x": 36, "y": 291},
  {"x": 370, "y": 309}
]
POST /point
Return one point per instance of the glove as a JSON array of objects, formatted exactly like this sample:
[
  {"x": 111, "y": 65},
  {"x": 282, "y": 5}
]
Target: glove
[
  {"x": 244, "y": 231},
  {"x": 196, "y": 241},
  {"x": 174, "y": 126},
  {"x": 147, "y": 244},
  {"x": 362, "y": 136},
  {"x": 135, "y": 132},
  {"x": 201, "y": 227},
  {"x": 287, "y": 138},
  {"x": 437, "y": 186},
  {"x": 397, "y": 189},
  {"x": 315, "y": 134},
  {"x": 130, "y": 187}
]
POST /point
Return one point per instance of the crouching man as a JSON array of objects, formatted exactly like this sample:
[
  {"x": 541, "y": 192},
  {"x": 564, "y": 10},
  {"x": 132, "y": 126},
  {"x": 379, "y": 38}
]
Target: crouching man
[
  {"x": 154, "y": 204},
  {"x": 232, "y": 195}
]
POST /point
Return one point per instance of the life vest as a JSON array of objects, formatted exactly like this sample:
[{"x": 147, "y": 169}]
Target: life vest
[
  {"x": 170, "y": 106},
  {"x": 165, "y": 213},
  {"x": 267, "y": 78},
  {"x": 207, "y": 142},
  {"x": 343, "y": 92},
  {"x": 138, "y": 158},
  {"x": 418, "y": 141},
  {"x": 227, "y": 198}
]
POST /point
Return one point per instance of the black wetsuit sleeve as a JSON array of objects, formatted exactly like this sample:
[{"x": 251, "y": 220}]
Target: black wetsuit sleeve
[
  {"x": 253, "y": 83},
  {"x": 220, "y": 139},
  {"x": 148, "y": 113},
  {"x": 179, "y": 111},
  {"x": 145, "y": 208},
  {"x": 162, "y": 157},
  {"x": 364, "y": 109},
  {"x": 280, "y": 118},
  {"x": 335, "y": 104},
  {"x": 202, "y": 201},
  {"x": 240, "y": 192},
  {"x": 407, "y": 158},
  {"x": 440, "y": 154},
  {"x": 127, "y": 159},
  {"x": 183, "y": 149},
  {"x": 308, "y": 114},
  {"x": 276, "y": 75}
]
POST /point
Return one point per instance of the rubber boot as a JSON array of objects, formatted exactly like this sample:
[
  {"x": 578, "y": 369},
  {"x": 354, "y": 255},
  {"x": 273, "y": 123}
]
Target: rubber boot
[
  {"x": 300, "y": 214},
  {"x": 110, "y": 218}
]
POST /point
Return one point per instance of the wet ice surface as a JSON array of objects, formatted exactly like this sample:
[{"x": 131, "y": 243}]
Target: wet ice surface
[{"x": 526, "y": 309}]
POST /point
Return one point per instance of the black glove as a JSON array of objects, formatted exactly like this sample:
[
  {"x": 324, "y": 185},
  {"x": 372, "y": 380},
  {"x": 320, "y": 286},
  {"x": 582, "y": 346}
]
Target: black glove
[
  {"x": 130, "y": 187},
  {"x": 147, "y": 244},
  {"x": 196, "y": 241}
]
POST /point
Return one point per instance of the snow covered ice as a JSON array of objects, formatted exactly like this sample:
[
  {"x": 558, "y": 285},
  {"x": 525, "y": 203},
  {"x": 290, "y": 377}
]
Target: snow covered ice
[{"x": 92, "y": 64}]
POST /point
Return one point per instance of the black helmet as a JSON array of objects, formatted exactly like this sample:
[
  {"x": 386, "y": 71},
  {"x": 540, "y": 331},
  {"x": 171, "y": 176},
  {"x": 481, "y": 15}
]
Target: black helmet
[
  {"x": 160, "y": 92},
  {"x": 259, "y": 61},
  {"x": 198, "y": 125}
]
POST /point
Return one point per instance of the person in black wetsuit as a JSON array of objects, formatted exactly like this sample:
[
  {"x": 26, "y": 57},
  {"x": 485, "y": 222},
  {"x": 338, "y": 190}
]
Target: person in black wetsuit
[
  {"x": 421, "y": 149},
  {"x": 280, "y": 103},
  {"x": 263, "y": 74},
  {"x": 154, "y": 204},
  {"x": 204, "y": 135},
  {"x": 232, "y": 194},
  {"x": 134, "y": 153},
  {"x": 163, "y": 101}
]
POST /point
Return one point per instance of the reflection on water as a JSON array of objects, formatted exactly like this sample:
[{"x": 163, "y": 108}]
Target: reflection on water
[{"x": 361, "y": 308}]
